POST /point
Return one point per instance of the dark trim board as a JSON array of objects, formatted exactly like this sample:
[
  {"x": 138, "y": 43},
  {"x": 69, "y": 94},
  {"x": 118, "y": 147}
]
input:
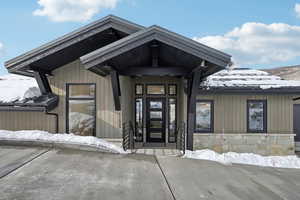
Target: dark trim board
[
  {"x": 265, "y": 117},
  {"x": 67, "y": 104},
  {"x": 211, "y": 130}
]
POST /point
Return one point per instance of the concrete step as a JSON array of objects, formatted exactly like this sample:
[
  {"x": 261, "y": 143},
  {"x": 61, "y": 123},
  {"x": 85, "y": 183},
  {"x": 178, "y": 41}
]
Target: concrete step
[{"x": 297, "y": 146}]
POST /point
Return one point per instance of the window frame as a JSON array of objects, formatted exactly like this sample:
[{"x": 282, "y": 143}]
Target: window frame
[
  {"x": 211, "y": 130},
  {"x": 143, "y": 89},
  {"x": 265, "y": 119},
  {"x": 170, "y": 88},
  {"x": 68, "y": 98}
]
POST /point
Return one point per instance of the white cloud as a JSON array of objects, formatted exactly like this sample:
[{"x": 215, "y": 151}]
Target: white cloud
[
  {"x": 72, "y": 10},
  {"x": 297, "y": 9},
  {"x": 1, "y": 49},
  {"x": 258, "y": 43}
]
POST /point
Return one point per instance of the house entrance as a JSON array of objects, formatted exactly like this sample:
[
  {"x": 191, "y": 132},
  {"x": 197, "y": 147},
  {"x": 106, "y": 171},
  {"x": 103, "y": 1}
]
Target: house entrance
[
  {"x": 155, "y": 112},
  {"x": 156, "y": 120}
]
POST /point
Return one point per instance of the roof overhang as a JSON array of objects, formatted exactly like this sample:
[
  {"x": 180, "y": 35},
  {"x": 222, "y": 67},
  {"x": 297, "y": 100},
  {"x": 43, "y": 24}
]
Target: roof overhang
[
  {"x": 73, "y": 45},
  {"x": 42, "y": 103},
  {"x": 155, "y": 51}
]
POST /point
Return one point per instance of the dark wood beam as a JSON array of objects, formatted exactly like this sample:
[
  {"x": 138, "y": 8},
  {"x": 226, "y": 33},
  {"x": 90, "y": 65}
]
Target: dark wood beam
[
  {"x": 154, "y": 53},
  {"x": 98, "y": 71},
  {"x": 116, "y": 89},
  {"x": 193, "y": 86},
  {"x": 44, "y": 71},
  {"x": 154, "y": 71},
  {"x": 42, "y": 82}
]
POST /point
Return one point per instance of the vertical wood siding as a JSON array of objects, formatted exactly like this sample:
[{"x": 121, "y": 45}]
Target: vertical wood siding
[
  {"x": 108, "y": 121},
  {"x": 15, "y": 121},
  {"x": 230, "y": 112}
]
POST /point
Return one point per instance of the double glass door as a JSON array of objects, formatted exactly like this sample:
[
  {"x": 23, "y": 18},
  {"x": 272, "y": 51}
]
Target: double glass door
[{"x": 155, "y": 125}]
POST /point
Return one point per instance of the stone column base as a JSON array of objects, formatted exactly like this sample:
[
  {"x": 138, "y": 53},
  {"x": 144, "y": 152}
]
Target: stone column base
[{"x": 263, "y": 144}]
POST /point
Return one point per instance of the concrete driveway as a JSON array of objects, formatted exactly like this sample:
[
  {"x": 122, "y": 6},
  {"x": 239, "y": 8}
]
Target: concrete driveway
[{"x": 36, "y": 173}]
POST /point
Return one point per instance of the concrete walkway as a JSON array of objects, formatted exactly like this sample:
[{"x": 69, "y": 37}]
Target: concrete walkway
[{"x": 36, "y": 173}]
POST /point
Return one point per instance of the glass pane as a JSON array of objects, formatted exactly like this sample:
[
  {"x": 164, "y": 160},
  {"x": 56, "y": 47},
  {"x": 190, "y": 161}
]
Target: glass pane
[
  {"x": 256, "y": 116},
  {"x": 172, "y": 119},
  {"x": 156, "y": 124},
  {"x": 81, "y": 117},
  {"x": 156, "y": 104},
  {"x": 203, "y": 116},
  {"x": 155, "y": 89},
  {"x": 81, "y": 91},
  {"x": 139, "y": 119},
  {"x": 172, "y": 89},
  {"x": 155, "y": 114},
  {"x": 139, "y": 89},
  {"x": 156, "y": 135}
]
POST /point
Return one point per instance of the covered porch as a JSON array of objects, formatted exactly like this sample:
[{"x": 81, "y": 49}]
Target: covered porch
[{"x": 155, "y": 76}]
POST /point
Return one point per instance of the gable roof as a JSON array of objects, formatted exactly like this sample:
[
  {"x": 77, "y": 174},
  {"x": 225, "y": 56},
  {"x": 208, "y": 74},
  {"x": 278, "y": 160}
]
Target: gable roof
[
  {"x": 21, "y": 64},
  {"x": 244, "y": 80},
  {"x": 155, "y": 33}
]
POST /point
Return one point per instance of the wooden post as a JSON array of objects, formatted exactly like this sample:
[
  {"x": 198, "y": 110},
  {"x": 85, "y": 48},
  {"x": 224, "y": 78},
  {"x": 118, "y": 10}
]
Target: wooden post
[{"x": 193, "y": 88}]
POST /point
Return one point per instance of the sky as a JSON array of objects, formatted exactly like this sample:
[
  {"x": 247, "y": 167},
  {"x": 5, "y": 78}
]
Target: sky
[{"x": 257, "y": 33}]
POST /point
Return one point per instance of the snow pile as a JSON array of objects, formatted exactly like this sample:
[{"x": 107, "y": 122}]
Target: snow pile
[
  {"x": 247, "y": 78},
  {"x": 42, "y": 136},
  {"x": 16, "y": 87},
  {"x": 245, "y": 158}
]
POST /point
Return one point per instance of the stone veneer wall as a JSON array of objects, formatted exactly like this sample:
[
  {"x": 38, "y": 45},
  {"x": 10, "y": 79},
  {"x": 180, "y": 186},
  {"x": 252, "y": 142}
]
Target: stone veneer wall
[{"x": 263, "y": 144}]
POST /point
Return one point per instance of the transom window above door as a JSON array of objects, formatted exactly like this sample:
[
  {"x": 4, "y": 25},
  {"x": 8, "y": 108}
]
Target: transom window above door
[{"x": 157, "y": 89}]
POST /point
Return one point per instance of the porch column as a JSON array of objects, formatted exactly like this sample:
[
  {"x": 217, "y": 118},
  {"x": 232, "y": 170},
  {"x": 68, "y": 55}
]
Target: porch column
[{"x": 193, "y": 88}]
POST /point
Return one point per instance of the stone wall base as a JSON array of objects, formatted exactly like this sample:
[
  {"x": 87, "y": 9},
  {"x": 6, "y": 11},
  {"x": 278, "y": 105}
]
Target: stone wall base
[{"x": 263, "y": 144}]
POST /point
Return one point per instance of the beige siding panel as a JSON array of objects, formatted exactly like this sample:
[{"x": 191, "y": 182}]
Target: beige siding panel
[
  {"x": 230, "y": 112},
  {"x": 15, "y": 121},
  {"x": 107, "y": 120}
]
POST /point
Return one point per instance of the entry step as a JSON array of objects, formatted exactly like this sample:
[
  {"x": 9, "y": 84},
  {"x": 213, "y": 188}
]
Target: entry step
[{"x": 297, "y": 146}]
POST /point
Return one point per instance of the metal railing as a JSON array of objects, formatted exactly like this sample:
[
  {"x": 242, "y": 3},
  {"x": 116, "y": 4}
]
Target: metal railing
[
  {"x": 128, "y": 136},
  {"x": 181, "y": 138}
]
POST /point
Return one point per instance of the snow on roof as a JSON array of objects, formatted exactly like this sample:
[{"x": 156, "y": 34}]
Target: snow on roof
[
  {"x": 247, "y": 78},
  {"x": 17, "y": 88}
]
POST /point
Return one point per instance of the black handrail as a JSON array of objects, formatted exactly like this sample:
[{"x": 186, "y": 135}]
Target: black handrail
[
  {"x": 181, "y": 138},
  {"x": 128, "y": 136}
]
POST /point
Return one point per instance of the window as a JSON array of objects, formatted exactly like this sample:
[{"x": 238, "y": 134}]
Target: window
[
  {"x": 139, "y": 119},
  {"x": 204, "y": 116},
  {"x": 139, "y": 89},
  {"x": 156, "y": 89},
  {"x": 257, "y": 116},
  {"x": 172, "y": 120},
  {"x": 81, "y": 109},
  {"x": 172, "y": 90}
]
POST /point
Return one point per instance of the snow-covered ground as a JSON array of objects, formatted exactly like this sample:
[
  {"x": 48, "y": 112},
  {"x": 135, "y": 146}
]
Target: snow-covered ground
[
  {"x": 43, "y": 136},
  {"x": 16, "y": 87},
  {"x": 245, "y": 158}
]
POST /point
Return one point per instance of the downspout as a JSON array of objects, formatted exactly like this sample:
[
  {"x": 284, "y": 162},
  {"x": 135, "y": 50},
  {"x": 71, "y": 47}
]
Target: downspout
[{"x": 56, "y": 120}]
